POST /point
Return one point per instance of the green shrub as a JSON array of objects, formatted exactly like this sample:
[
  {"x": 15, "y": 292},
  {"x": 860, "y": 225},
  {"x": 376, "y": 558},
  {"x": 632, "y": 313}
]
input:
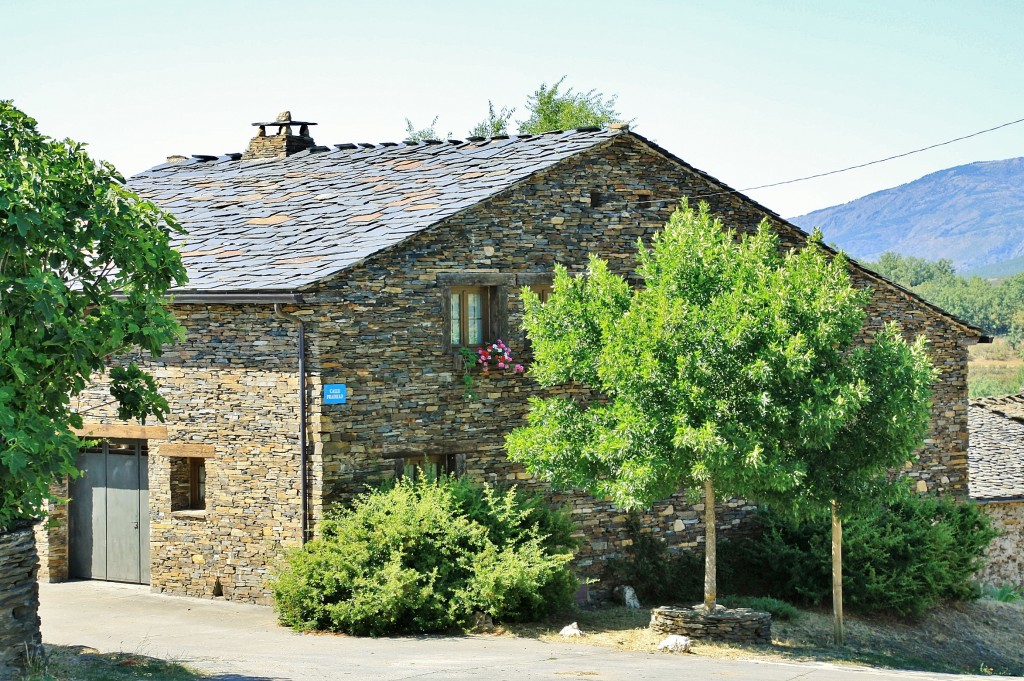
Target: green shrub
[
  {"x": 903, "y": 558},
  {"x": 423, "y": 556},
  {"x": 779, "y": 610}
]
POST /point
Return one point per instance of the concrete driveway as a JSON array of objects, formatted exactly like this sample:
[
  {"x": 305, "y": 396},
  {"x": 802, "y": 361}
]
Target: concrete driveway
[{"x": 240, "y": 642}]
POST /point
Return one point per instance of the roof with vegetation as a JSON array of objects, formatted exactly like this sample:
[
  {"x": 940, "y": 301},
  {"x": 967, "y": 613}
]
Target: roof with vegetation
[{"x": 286, "y": 223}]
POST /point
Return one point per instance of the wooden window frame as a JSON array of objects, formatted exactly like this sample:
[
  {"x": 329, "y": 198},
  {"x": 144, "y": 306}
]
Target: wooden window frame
[
  {"x": 542, "y": 291},
  {"x": 196, "y": 484},
  {"x": 189, "y": 478},
  {"x": 461, "y": 294},
  {"x": 495, "y": 286},
  {"x": 448, "y": 464},
  {"x": 541, "y": 283}
]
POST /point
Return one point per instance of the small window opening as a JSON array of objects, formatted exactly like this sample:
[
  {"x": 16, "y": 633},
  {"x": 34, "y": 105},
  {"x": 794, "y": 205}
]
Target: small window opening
[
  {"x": 429, "y": 466},
  {"x": 197, "y": 484},
  {"x": 188, "y": 484},
  {"x": 595, "y": 199},
  {"x": 543, "y": 291}
]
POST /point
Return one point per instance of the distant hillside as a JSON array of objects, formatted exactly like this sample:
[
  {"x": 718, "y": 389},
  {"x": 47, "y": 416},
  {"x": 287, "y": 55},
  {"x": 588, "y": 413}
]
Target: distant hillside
[
  {"x": 1000, "y": 270},
  {"x": 971, "y": 214}
]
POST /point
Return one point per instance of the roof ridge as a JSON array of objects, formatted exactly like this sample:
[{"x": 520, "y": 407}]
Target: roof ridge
[
  {"x": 468, "y": 142},
  {"x": 1015, "y": 398}
]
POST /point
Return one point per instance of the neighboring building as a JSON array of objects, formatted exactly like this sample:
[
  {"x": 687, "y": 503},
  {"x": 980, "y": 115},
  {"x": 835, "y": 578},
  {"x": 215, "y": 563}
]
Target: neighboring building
[
  {"x": 996, "y": 458},
  {"x": 379, "y": 261}
]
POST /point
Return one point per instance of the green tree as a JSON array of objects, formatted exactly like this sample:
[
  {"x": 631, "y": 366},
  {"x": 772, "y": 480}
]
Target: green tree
[
  {"x": 714, "y": 375},
  {"x": 423, "y": 134},
  {"x": 550, "y": 108},
  {"x": 848, "y": 475},
  {"x": 84, "y": 268},
  {"x": 906, "y": 270},
  {"x": 496, "y": 122}
]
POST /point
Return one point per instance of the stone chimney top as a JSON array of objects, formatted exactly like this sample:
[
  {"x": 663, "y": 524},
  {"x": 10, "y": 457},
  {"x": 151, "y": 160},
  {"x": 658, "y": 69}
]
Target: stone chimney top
[
  {"x": 283, "y": 142},
  {"x": 619, "y": 126}
]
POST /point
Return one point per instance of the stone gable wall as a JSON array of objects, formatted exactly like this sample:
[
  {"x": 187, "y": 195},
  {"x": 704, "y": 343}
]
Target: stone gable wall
[{"x": 406, "y": 397}]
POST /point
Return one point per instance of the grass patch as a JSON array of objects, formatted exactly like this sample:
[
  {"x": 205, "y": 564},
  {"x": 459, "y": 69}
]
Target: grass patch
[
  {"x": 994, "y": 369},
  {"x": 79, "y": 663},
  {"x": 965, "y": 638},
  {"x": 1005, "y": 593}
]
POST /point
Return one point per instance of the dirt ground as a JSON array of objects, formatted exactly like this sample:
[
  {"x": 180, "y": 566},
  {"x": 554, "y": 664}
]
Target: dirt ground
[{"x": 983, "y": 637}]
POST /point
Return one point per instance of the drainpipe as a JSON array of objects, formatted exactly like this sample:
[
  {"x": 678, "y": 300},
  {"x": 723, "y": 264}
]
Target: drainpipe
[{"x": 303, "y": 461}]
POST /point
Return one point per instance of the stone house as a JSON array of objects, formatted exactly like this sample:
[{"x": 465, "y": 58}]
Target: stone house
[
  {"x": 996, "y": 465},
  {"x": 357, "y": 271}
]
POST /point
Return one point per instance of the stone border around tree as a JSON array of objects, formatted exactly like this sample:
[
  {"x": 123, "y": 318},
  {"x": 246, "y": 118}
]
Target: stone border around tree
[
  {"x": 740, "y": 625},
  {"x": 19, "y": 600}
]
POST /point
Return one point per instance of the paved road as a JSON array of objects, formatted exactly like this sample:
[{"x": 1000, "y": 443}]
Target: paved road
[{"x": 239, "y": 642}]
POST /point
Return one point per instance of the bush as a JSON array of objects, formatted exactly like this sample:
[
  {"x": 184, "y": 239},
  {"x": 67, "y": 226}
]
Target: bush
[
  {"x": 423, "y": 556},
  {"x": 779, "y": 610},
  {"x": 902, "y": 558}
]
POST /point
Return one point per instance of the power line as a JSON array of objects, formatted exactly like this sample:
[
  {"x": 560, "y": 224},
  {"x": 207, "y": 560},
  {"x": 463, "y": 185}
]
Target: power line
[
  {"x": 883, "y": 160},
  {"x": 848, "y": 168}
]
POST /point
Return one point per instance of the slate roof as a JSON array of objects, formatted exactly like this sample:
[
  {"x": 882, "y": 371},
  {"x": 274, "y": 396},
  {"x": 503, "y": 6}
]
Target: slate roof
[
  {"x": 996, "y": 454},
  {"x": 283, "y": 224}
]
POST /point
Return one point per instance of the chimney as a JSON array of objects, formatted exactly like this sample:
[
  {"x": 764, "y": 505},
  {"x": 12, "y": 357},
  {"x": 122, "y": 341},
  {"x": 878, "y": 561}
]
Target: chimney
[{"x": 283, "y": 142}]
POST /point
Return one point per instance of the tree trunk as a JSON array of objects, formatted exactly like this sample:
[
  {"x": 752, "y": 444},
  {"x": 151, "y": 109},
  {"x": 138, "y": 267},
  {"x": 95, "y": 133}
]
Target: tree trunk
[
  {"x": 710, "y": 559},
  {"x": 837, "y": 575}
]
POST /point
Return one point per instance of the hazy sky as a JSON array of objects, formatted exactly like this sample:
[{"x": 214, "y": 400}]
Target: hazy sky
[{"x": 750, "y": 92}]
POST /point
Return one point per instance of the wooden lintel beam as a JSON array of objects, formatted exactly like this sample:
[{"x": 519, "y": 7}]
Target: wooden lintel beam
[
  {"x": 186, "y": 449},
  {"x": 121, "y": 431}
]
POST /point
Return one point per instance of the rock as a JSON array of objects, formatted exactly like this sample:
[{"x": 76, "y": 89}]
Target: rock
[
  {"x": 675, "y": 644},
  {"x": 626, "y": 595},
  {"x": 571, "y": 630},
  {"x": 482, "y": 623}
]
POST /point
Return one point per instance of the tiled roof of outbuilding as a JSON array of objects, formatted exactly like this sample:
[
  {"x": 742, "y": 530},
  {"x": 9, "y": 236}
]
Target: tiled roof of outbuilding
[
  {"x": 996, "y": 454},
  {"x": 286, "y": 223}
]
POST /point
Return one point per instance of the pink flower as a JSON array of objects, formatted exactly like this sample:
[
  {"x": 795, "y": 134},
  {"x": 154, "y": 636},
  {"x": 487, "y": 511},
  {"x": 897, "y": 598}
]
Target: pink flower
[
  {"x": 519, "y": 369},
  {"x": 501, "y": 365}
]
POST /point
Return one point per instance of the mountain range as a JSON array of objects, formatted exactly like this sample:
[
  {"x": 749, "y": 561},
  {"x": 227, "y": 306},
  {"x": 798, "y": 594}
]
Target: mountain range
[{"x": 971, "y": 214}]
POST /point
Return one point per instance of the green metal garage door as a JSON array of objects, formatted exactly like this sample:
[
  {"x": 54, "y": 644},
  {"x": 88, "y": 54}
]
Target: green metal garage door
[{"x": 108, "y": 517}]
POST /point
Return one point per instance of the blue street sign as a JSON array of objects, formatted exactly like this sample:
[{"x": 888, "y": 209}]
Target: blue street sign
[{"x": 335, "y": 393}]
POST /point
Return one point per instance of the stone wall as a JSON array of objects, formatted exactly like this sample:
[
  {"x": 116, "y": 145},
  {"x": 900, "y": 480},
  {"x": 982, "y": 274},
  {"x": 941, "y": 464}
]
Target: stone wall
[
  {"x": 1005, "y": 556},
  {"x": 232, "y": 386},
  {"x": 52, "y": 536},
  {"x": 19, "y": 600}
]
